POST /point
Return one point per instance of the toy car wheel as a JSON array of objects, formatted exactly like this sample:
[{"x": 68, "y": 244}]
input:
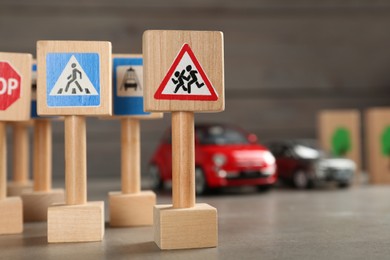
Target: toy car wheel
[
  {"x": 264, "y": 188},
  {"x": 201, "y": 186},
  {"x": 300, "y": 180},
  {"x": 343, "y": 185},
  {"x": 155, "y": 177}
]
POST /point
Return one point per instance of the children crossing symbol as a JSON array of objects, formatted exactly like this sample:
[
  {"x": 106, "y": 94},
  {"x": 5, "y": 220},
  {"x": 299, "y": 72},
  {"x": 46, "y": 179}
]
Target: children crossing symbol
[
  {"x": 73, "y": 81},
  {"x": 191, "y": 79},
  {"x": 186, "y": 80}
]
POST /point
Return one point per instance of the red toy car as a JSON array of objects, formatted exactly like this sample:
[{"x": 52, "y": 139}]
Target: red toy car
[{"x": 224, "y": 156}]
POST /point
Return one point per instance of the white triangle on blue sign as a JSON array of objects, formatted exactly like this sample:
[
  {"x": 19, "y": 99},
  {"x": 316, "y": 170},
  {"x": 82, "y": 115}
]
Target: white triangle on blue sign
[{"x": 73, "y": 81}]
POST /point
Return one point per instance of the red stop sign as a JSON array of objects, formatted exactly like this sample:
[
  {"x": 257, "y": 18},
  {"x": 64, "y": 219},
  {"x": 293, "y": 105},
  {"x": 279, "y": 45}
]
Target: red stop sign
[{"x": 9, "y": 85}]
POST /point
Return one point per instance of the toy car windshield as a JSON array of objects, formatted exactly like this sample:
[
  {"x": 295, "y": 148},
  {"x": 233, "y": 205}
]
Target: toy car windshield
[{"x": 219, "y": 135}]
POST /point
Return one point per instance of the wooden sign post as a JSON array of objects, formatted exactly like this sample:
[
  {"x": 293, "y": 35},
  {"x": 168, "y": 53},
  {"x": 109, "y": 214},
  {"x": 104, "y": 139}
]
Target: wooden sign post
[
  {"x": 183, "y": 74},
  {"x": 74, "y": 80},
  {"x": 131, "y": 206},
  {"x": 339, "y": 135},
  {"x": 377, "y": 135},
  {"x": 36, "y": 203},
  {"x": 21, "y": 182},
  {"x": 15, "y": 95}
]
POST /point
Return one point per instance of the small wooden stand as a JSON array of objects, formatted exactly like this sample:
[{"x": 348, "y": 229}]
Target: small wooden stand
[
  {"x": 21, "y": 182},
  {"x": 36, "y": 203},
  {"x": 330, "y": 120},
  {"x": 131, "y": 207},
  {"x": 11, "y": 217},
  {"x": 15, "y": 102},
  {"x": 184, "y": 224},
  {"x": 170, "y": 57},
  {"x": 90, "y": 64},
  {"x": 377, "y": 124},
  {"x": 77, "y": 220}
]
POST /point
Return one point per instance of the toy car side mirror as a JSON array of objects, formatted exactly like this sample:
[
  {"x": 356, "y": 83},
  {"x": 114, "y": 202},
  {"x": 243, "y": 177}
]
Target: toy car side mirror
[{"x": 252, "y": 138}]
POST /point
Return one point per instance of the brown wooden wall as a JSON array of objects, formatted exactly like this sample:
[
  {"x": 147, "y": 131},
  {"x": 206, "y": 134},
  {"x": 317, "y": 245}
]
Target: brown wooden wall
[{"x": 285, "y": 60}]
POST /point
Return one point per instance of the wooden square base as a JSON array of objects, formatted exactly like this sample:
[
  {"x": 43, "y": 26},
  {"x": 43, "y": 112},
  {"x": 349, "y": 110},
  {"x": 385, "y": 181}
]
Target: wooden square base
[
  {"x": 35, "y": 204},
  {"x": 75, "y": 223},
  {"x": 11, "y": 216},
  {"x": 130, "y": 210},
  {"x": 17, "y": 189},
  {"x": 195, "y": 227}
]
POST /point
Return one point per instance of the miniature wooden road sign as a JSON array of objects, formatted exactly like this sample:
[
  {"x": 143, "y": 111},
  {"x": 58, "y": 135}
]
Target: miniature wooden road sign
[
  {"x": 74, "y": 80},
  {"x": 190, "y": 73},
  {"x": 37, "y": 201},
  {"x": 15, "y": 94},
  {"x": 339, "y": 135},
  {"x": 183, "y": 74},
  {"x": 131, "y": 206},
  {"x": 377, "y": 135},
  {"x": 21, "y": 182}
]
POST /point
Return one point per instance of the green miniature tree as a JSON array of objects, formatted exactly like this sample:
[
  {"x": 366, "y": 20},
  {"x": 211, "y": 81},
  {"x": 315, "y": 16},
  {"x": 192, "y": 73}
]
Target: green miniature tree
[
  {"x": 385, "y": 141},
  {"x": 341, "y": 141}
]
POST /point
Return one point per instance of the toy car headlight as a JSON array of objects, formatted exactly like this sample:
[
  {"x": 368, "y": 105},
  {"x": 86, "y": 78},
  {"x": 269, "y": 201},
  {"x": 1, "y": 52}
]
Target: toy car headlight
[
  {"x": 219, "y": 159},
  {"x": 268, "y": 158}
]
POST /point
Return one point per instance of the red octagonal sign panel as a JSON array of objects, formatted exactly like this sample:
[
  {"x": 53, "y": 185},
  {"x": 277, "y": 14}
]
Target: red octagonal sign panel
[{"x": 9, "y": 85}]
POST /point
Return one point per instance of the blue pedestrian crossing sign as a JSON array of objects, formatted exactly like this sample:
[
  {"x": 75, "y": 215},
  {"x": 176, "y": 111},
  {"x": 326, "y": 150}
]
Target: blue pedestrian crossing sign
[
  {"x": 128, "y": 85},
  {"x": 73, "y": 80}
]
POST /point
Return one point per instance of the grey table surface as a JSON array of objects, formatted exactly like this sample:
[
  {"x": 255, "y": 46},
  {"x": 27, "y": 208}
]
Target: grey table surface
[{"x": 325, "y": 223}]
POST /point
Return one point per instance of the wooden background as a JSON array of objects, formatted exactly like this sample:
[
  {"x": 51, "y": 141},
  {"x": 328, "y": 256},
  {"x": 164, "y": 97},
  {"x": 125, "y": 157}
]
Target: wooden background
[{"x": 285, "y": 60}]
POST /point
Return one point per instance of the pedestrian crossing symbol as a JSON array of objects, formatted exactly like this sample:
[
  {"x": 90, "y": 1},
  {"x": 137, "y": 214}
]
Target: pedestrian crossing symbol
[
  {"x": 73, "y": 79},
  {"x": 186, "y": 80}
]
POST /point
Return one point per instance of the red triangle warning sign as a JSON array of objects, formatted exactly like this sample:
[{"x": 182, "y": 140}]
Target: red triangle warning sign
[{"x": 186, "y": 80}]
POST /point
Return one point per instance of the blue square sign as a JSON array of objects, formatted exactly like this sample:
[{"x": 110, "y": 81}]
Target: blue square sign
[
  {"x": 128, "y": 86},
  {"x": 73, "y": 79}
]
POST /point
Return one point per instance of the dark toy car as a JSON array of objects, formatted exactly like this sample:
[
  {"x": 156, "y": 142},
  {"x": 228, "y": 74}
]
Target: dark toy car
[
  {"x": 225, "y": 155},
  {"x": 302, "y": 164}
]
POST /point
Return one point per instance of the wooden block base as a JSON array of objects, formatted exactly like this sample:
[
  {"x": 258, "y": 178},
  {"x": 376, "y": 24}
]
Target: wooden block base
[
  {"x": 11, "y": 216},
  {"x": 75, "y": 223},
  {"x": 35, "y": 204},
  {"x": 195, "y": 227},
  {"x": 17, "y": 189},
  {"x": 130, "y": 210}
]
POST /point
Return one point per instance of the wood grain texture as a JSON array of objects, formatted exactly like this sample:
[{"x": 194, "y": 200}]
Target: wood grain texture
[
  {"x": 36, "y": 204},
  {"x": 75, "y": 223},
  {"x": 195, "y": 227},
  {"x": 21, "y": 153},
  {"x": 20, "y": 109},
  {"x": 329, "y": 120},
  {"x": 42, "y": 159},
  {"x": 17, "y": 189},
  {"x": 131, "y": 210},
  {"x": 75, "y": 160},
  {"x": 160, "y": 49},
  {"x": 104, "y": 51},
  {"x": 378, "y": 165},
  {"x": 183, "y": 160},
  {"x": 3, "y": 161},
  {"x": 131, "y": 157},
  {"x": 11, "y": 217}
]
